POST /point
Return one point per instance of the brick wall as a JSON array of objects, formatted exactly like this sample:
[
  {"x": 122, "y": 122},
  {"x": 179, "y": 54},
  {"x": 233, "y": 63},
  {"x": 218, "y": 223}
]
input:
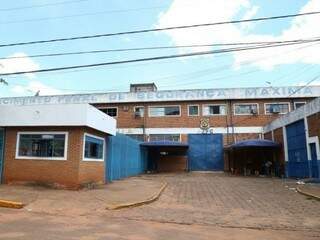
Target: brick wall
[
  {"x": 278, "y": 138},
  {"x": 268, "y": 136},
  {"x": 71, "y": 172},
  {"x": 172, "y": 163},
  {"x": 126, "y": 118},
  {"x": 313, "y": 124}
]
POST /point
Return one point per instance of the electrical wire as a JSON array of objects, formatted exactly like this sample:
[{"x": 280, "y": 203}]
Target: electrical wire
[
  {"x": 159, "y": 29},
  {"x": 40, "y": 5},
  {"x": 303, "y": 86},
  {"x": 83, "y": 15},
  {"x": 153, "y": 58},
  {"x": 154, "y": 48}
]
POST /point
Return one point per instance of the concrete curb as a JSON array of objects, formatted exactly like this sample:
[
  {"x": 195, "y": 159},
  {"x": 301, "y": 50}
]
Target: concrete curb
[
  {"x": 299, "y": 190},
  {"x": 11, "y": 204},
  {"x": 139, "y": 203}
]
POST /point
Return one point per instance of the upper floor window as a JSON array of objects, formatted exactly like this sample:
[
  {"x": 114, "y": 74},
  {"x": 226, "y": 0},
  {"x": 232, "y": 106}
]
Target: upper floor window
[
  {"x": 215, "y": 109},
  {"x": 193, "y": 110},
  {"x": 139, "y": 111},
  {"x": 164, "y": 137},
  {"x": 164, "y": 111},
  {"x": 281, "y": 108},
  {"x": 138, "y": 137},
  {"x": 111, "y": 111},
  {"x": 298, "y": 104},
  {"x": 245, "y": 108},
  {"x": 42, "y": 145}
]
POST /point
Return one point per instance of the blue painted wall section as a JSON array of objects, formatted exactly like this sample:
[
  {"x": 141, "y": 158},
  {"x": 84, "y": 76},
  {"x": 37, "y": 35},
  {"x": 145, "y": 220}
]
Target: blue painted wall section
[
  {"x": 298, "y": 165},
  {"x": 124, "y": 158},
  {"x": 1, "y": 151},
  {"x": 205, "y": 152}
]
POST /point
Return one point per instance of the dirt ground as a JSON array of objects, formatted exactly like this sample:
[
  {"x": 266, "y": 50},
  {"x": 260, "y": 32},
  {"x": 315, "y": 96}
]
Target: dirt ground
[{"x": 193, "y": 206}]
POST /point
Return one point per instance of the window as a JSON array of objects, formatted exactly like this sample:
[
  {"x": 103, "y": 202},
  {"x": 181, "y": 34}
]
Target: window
[
  {"x": 111, "y": 111},
  {"x": 280, "y": 108},
  {"x": 42, "y": 145},
  {"x": 138, "y": 137},
  {"x": 164, "y": 111},
  {"x": 93, "y": 148},
  {"x": 209, "y": 110},
  {"x": 164, "y": 137},
  {"x": 139, "y": 111},
  {"x": 298, "y": 104},
  {"x": 193, "y": 110},
  {"x": 246, "y": 109}
]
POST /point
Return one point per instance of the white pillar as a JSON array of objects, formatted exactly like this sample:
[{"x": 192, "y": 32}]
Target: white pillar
[{"x": 285, "y": 143}]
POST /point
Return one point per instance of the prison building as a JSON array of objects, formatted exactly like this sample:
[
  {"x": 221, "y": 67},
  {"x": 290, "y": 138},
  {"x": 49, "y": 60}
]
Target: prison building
[
  {"x": 181, "y": 129},
  {"x": 298, "y": 134}
]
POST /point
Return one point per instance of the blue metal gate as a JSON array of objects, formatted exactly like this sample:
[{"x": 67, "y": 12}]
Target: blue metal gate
[
  {"x": 124, "y": 158},
  {"x": 205, "y": 152},
  {"x": 298, "y": 165},
  {"x": 1, "y": 151}
]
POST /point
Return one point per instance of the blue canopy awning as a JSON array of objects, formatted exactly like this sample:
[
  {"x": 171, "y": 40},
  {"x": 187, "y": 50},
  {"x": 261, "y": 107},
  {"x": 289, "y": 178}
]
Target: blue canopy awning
[
  {"x": 164, "y": 144},
  {"x": 255, "y": 143}
]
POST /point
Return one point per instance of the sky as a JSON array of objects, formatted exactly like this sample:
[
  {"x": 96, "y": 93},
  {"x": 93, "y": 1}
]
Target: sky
[{"x": 29, "y": 20}]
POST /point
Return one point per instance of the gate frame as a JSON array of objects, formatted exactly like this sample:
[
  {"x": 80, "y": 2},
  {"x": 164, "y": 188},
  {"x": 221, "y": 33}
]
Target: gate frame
[
  {"x": 306, "y": 161},
  {"x": 189, "y": 161}
]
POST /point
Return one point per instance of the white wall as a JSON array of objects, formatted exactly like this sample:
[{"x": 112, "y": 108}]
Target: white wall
[{"x": 57, "y": 115}]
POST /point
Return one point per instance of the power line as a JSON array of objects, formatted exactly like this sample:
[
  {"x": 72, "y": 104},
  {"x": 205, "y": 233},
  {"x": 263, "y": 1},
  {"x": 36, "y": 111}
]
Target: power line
[
  {"x": 294, "y": 73},
  {"x": 152, "y": 58},
  {"x": 84, "y": 14},
  {"x": 158, "y": 29},
  {"x": 302, "y": 87},
  {"x": 155, "y": 48},
  {"x": 41, "y": 5}
]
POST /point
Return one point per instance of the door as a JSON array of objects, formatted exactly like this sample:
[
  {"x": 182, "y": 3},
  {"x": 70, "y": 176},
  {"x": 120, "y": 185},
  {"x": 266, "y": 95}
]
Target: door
[
  {"x": 205, "y": 152},
  {"x": 1, "y": 151},
  {"x": 298, "y": 165},
  {"x": 314, "y": 160}
]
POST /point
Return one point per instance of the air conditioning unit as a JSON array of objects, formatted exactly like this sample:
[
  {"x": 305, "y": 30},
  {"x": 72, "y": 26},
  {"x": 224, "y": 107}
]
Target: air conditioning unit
[
  {"x": 274, "y": 110},
  {"x": 137, "y": 114},
  {"x": 253, "y": 111}
]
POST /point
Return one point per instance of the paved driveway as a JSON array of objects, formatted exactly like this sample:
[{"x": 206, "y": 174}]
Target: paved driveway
[
  {"x": 218, "y": 199},
  {"x": 194, "y": 206}
]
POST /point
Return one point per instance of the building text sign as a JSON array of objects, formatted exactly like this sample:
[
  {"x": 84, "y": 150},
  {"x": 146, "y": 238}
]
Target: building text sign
[{"x": 177, "y": 95}]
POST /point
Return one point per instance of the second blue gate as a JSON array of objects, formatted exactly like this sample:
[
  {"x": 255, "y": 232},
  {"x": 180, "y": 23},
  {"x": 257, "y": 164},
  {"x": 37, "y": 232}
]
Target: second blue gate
[
  {"x": 298, "y": 165},
  {"x": 205, "y": 152}
]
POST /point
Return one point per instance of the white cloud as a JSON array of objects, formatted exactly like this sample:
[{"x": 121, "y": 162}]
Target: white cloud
[
  {"x": 18, "y": 64},
  {"x": 301, "y": 27},
  {"x": 204, "y": 11},
  {"x": 33, "y": 87},
  {"x": 249, "y": 14}
]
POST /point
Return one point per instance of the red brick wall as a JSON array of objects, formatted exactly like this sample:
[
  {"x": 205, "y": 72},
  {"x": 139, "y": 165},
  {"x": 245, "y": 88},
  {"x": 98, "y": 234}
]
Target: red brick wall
[
  {"x": 268, "y": 135},
  {"x": 278, "y": 138},
  {"x": 126, "y": 118},
  {"x": 172, "y": 163},
  {"x": 71, "y": 172},
  {"x": 314, "y": 125}
]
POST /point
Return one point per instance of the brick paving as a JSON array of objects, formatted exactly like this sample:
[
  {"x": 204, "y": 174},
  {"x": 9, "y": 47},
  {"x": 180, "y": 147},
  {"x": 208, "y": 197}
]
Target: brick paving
[{"x": 218, "y": 199}]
